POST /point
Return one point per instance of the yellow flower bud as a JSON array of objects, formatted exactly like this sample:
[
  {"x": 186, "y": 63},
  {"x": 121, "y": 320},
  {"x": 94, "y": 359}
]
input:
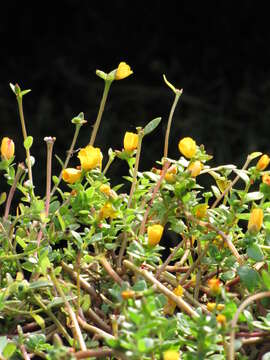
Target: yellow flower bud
[
  {"x": 211, "y": 306},
  {"x": 220, "y": 307},
  {"x": 187, "y": 147},
  {"x": 123, "y": 71},
  {"x": 171, "y": 355},
  {"x": 130, "y": 141},
  {"x": 7, "y": 148},
  {"x": 107, "y": 211},
  {"x": 171, "y": 305},
  {"x": 105, "y": 189},
  {"x": 71, "y": 175},
  {"x": 170, "y": 175},
  {"x": 201, "y": 210},
  {"x": 90, "y": 157},
  {"x": 127, "y": 294},
  {"x": 266, "y": 179},
  {"x": 195, "y": 168},
  {"x": 263, "y": 162},
  {"x": 154, "y": 233},
  {"x": 215, "y": 286},
  {"x": 221, "y": 319},
  {"x": 255, "y": 220}
]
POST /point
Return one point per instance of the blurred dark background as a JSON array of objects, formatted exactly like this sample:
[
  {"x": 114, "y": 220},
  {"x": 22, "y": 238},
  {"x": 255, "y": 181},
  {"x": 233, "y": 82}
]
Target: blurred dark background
[{"x": 218, "y": 52}]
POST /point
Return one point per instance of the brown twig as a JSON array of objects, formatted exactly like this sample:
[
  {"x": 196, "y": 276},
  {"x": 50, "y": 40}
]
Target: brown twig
[{"x": 95, "y": 353}]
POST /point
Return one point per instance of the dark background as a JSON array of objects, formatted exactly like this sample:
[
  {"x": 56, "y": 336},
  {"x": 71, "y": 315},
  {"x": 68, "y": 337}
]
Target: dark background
[{"x": 217, "y": 51}]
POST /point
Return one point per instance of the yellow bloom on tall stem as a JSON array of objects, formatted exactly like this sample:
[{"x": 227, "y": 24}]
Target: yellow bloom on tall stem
[
  {"x": 187, "y": 146},
  {"x": 263, "y": 162},
  {"x": 90, "y": 157},
  {"x": 195, "y": 168},
  {"x": 123, "y": 71},
  {"x": 71, "y": 175},
  {"x": 255, "y": 220},
  {"x": 171, "y": 355},
  {"x": 154, "y": 233},
  {"x": 7, "y": 148},
  {"x": 130, "y": 141}
]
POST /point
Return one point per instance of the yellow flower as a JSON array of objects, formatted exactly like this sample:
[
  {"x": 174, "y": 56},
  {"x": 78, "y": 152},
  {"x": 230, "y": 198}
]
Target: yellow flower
[
  {"x": 187, "y": 146},
  {"x": 71, "y": 175},
  {"x": 201, "y": 210},
  {"x": 105, "y": 189},
  {"x": 7, "y": 148},
  {"x": 90, "y": 157},
  {"x": 171, "y": 305},
  {"x": 195, "y": 168},
  {"x": 221, "y": 319},
  {"x": 127, "y": 294},
  {"x": 220, "y": 307},
  {"x": 263, "y": 162},
  {"x": 107, "y": 211},
  {"x": 211, "y": 306},
  {"x": 266, "y": 179},
  {"x": 215, "y": 286},
  {"x": 123, "y": 71},
  {"x": 171, "y": 355},
  {"x": 170, "y": 175},
  {"x": 255, "y": 220},
  {"x": 130, "y": 141},
  {"x": 154, "y": 233}
]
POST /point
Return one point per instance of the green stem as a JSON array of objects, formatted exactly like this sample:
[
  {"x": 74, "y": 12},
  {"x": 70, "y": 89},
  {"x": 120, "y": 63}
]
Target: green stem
[
  {"x": 136, "y": 167},
  {"x": 72, "y": 315},
  {"x": 178, "y": 93},
  {"x": 100, "y": 112},
  {"x": 69, "y": 153},
  {"x": 19, "y": 172},
  {"x": 29, "y": 166}
]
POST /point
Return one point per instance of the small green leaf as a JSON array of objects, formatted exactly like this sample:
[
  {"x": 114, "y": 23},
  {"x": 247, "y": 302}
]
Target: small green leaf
[
  {"x": 216, "y": 191},
  {"x": 255, "y": 252},
  {"x": 9, "y": 350},
  {"x": 151, "y": 126},
  {"x": 39, "y": 320},
  {"x": 266, "y": 356},
  {"x": 12, "y": 88},
  {"x": 3, "y": 197},
  {"x": 254, "y": 155},
  {"x": 28, "y": 142},
  {"x": 253, "y": 196},
  {"x": 266, "y": 279},
  {"x": 249, "y": 277},
  {"x": 24, "y": 92},
  {"x": 243, "y": 175}
]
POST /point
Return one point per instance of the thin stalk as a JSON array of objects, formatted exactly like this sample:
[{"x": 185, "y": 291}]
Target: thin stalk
[
  {"x": 94, "y": 330},
  {"x": 110, "y": 271},
  {"x": 94, "y": 353},
  {"x": 178, "y": 93},
  {"x": 182, "y": 304},
  {"x": 245, "y": 303},
  {"x": 107, "y": 86},
  {"x": 69, "y": 153},
  {"x": 132, "y": 189},
  {"x": 136, "y": 167},
  {"x": 225, "y": 192},
  {"x": 53, "y": 317},
  {"x": 19, "y": 172},
  {"x": 49, "y": 141},
  {"x": 20, "y": 106},
  {"x": 72, "y": 315}
]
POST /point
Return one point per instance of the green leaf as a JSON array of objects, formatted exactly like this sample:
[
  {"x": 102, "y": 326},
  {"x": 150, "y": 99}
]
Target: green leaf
[
  {"x": 28, "y": 142},
  {"x": 255, "y": 252},
  {"x": 254, "y": 155},
  {"x": 253, "y": 196},
  {"x": 266, "y": 279},
  {"x": 249, "y": 277},
  {"x": 39, "y": 320},
  {"x": 216, "y": 191},
  {"x": 3, "y": 343},
  {"x": 266, "y": 356},
  {"x": 3, "y": 197},
  {"x": 242, "y": 174},
  {"x": 9, "y": 350},
  {"x": 151, "y": 126}
]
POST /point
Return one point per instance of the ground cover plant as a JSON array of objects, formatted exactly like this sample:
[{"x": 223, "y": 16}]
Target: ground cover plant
[{"x": 89, "y": 271}]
